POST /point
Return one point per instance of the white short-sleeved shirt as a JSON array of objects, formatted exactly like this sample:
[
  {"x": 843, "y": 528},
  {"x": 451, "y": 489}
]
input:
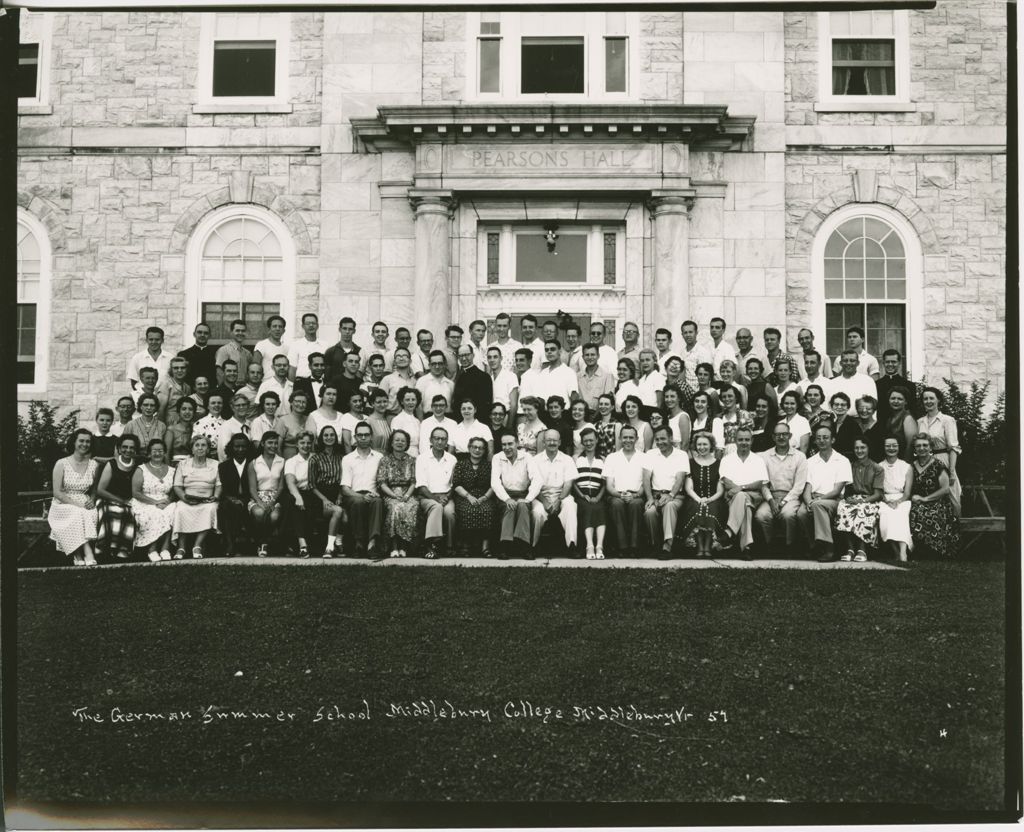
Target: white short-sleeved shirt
[
  {"x": 650, "y": 385},
  {"x": 743, "y": 471},
  {"x": 141, "y": 359},
  {"x": 665, "y": 468},
  {"x": 508, "y": 352},
  {"x": 557, "y": 381},
  {"x": 348, "y": 422},
  {"x": 798, "y": 426},
  {"x": 552, "y": 473},
  {"x": 359, "y": 472},
  {"x": 298, "y": 468},
  {"x": 427, "y": 427},
  {"x": 824, "y": 476},
  {"x": 411, "y": 425},
  {"x": 299, "y": 352},
  {"x": 435, "y": 474},
  {"x": 826, "y": 387},
  {"x": 529, "y": 385},
  {"x": 723, "y": 352},
  {"x": 856, "y": 386},
  {"x": 268, "y": 349},
  {"x": 867, "y": 364},
  {"x": 625, "y": 474},
  {"x": 626, "y": 388},
  {"x": 429, "y": 386},
  {"x": 319, "y": 422},
  {"x": 461, "y": 434},
  {"x": 502, "y": 386},
  {"x": 271, "y": 386},
  {"x": 536, "y": 346}
]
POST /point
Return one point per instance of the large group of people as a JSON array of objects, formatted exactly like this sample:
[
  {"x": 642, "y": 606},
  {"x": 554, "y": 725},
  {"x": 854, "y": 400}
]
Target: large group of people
[{"x": 477, "y": 448}]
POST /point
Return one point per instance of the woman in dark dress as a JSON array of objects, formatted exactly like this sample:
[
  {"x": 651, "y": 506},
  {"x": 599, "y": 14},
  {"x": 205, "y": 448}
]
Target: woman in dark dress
[
  {"x": 763, "y": 411},
  {"x": 845, "y": 426},
  {"x": 113, "y": 500},
  {"x": 704, "y": 513},
  {"x": 933, "y": 521},
  {"x": 899, "y": 424},
  {"x": 871, "y": 429},
  {"x": 758, "y": 385},
  {"x": 474, "y": 508}
]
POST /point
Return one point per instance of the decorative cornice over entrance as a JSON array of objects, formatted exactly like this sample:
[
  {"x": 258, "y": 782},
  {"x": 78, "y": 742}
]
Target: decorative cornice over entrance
[{"x": 699, "y": 126}]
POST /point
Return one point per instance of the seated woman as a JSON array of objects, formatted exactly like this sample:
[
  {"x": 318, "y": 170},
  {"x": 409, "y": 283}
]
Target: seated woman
[
  {"x": 588, "y": 489},
  {"x": 114, "y": 494},
  {"x": 632, "y": 407},
  {"x": 325, "y": 484},
  {"x": 799, "y": 427},
  {"x": 705, "y": 512},
  {"x": 857, "y": 514},
  {"x": 266, "y": 482},
  {"x": 409, "y": 399},
  {"x": 676, "y": 418},
  {"x": 396, "y": 481},
  {"x": 626, "y": 386},
  {"x": 305, "y": 504},
  {"x": 474, "y": 503},
  {"x": 933, "y": 520},
  {"x": 178, "y": 437},
  {"x": 607, "y": 425},
  {"x": 72, "y": 514},
  {"x": 153, "y": 503},
  {"x": 197, "y": 486},
  {"x": 894, "y": 510}
]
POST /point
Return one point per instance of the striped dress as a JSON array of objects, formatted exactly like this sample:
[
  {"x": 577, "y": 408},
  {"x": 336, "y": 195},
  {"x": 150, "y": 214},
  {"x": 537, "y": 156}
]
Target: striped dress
[{"x": 590, "y": 481}]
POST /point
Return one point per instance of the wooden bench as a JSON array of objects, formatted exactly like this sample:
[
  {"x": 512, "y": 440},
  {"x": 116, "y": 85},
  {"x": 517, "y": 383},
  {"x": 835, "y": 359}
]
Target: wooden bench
[
  {"x": 33, "y": 526},
  {"x": 974, "y": 528}
]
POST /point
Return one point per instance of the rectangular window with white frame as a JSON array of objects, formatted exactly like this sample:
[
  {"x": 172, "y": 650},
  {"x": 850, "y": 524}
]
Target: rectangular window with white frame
[
  {"x": 33, "y": 78},
  {"x": 864, "y": 60},
  {"x": 552, "y": 56},
  {"x": 551, "y": 255},
  {"x": 243, "y": 63}
]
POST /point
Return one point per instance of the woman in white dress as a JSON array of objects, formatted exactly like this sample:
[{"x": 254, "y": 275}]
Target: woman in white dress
[
  {"x": 266, "y": 482},
  {"x": 626, "y": 386},
  {"x": 894, "y": 510},
  {"x": 327, "y": 413},
  {"x": 306, "y": 508},
  {"x": 799, "y": 427},
  {"x": 703, "y": 420},
  {"x": 153, "y": 502},
  {"x": 197, "y": 486},
  {"x": 470, "y": 428},
  {"x": 678, "y": 419},
  {"x": 72, "y": 515}
]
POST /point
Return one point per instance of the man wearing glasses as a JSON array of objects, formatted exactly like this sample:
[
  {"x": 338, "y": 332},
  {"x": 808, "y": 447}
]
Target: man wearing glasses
[
  {"x": 435, "y": 382},
  {"x": 363, "y": 505},
  {"x": 607, "y": 360},
  {"x": 631, "y": 343}
]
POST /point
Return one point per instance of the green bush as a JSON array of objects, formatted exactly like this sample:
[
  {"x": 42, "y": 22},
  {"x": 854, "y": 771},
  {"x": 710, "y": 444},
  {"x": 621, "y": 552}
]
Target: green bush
[{"x": 42, "y": 440}]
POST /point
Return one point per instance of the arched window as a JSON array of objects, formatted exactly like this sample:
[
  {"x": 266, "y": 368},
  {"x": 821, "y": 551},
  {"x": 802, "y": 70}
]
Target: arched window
[
  {"x": 33, "y": 299},
  {"x": 868, "y": 274},
  {"x": 241, "y": 265}
]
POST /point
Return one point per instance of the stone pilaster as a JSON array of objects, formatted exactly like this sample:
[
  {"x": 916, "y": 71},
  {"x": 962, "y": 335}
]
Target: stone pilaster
[
  {"x": 671, "y": 294},
  {"x": 432, "y": 293}
]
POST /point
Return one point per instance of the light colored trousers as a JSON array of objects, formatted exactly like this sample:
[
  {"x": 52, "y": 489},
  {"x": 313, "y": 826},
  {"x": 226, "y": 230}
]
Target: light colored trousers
[
  {"x": 789, "y": 517},
  {"x": 566, "y": 515},
  {"x": 515, "y": 522},
  {"x": 818, "y": 519},
  {"x": 741, "y": 516},
  {"x": 661, "y": 520},
  {"x": 438, "y": 517}
]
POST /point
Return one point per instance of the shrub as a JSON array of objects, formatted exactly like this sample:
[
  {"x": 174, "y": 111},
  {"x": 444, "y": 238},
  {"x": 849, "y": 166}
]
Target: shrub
[{"x": 42, "y": 440}]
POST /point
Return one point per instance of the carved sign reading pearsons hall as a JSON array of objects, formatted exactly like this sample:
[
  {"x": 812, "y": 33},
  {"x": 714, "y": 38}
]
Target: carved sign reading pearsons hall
[{"x": 547, "y": 159}]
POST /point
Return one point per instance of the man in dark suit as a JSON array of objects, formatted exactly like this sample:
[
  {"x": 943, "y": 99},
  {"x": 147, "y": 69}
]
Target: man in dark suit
[
  {"x": 313, "y": 384},
  {"x": 891, "y": 377},
  {"x": 232, "y": 511},
  {"x": 472, "y": 383},
  {"x": 201, "y": 356}
]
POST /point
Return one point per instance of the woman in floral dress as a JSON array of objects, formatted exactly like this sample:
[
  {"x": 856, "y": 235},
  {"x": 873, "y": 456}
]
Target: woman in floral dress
[
  {"x": 396, "y": 481},
  {"x": 474, "y": 508},
  {"x": 857, "y": 514},
  {"x": 606, "y": 425},
  {"x": 933, "y": 521},
  {"x": 153, "y": 502}
]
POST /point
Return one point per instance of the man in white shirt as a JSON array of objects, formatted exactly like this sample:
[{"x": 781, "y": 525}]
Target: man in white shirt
[
  {"x": 420, "y": 362},
  {"x": 812, "y": 375},
  {"x": 364, "y": 507},
  {"x": 572, "y": 355},
  {"x": 272, "y": 345},
  {"x": 650, "y": 382},
  {"x": 172, "y": 389},
  {"x": 301, "y": 348},
  {"x": 435, "y": 382},
  {"x": 631, "y": 343},
  {"x": 504, "y": 383},
  {"x": 434, "y": 483},
  {"x": 153, "y": 356},
  {"x": 554, "y": 378},
  {"x": 528, "y": 331},
  {"x": 552, "y": 473},
  {"x": 279, "y": 383},
  {"x": 379, "y": 346},
  {"x": 403, "y": 340},
  {"x": 828, "y": 474},
  {"x": 436, "y": 419},
  {"x": 855, "y": 384},
  {"x": 744, "y": 475},
  {"x": 782, "y": 493},
  {"x": 723, "y": 350},
  {"x": 400, "y": 376},
  {"x": 745, "y": 351},
  {"x": 805, "y": 338},
  {"x": 663, "y": 347},
  {"x": 693, "y": 353},
  {"x": 867, "y": 364},
  {"x": 506, "y": 344},
  {"x": 607, "y": 360},
  {"x": 477, "y": 333},
  {"x": 510, "y": 481},
  {"x": 665, "y": 472},
  {"x": 529, "y": 379},
  {"x": 240, "y": 422},
  {"x": 624, "y": 482}
]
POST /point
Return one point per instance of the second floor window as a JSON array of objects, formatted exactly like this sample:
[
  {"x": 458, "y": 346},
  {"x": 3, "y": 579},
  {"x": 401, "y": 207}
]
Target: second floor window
[
  {"x": 243, "y": 67},
  {"x": 864, "y": 58},
  {"x": 28, "y": 70},
  {"x": 243, "y": 62}
]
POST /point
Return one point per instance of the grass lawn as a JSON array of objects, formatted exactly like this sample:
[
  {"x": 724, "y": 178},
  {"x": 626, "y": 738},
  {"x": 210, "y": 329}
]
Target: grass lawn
[{"x": 836, "y": 686}]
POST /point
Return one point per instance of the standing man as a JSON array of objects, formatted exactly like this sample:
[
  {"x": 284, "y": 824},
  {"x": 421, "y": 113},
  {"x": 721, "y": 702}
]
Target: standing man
[
  {"x": 510, "y": 481},
  {"x": 420, "y": 361},
  {"x": 253, "y": 380},
  {"x": 529, "y": 379},
  {"x": 278, "y": 383},
  {"x": 631, "y": 343},
  {"x": 379, "y": 346},
  {"x": 477, "y": 333},
  {"x": 403, "y": 338},
  {"x": 312, "y": 384},
  {"x": 774, "y": 353},
  {"x": 723, "y": 350},
  {"x": 806, "y": 340},
  {"x": 554, "y": 378},
  {"x": 504, "y": 342},
  {"x": 272, "y": 345},
  {"x": 528, "y": 330},
  {"x": 434, "y": 483},
  {"x": 302, "y": 348},
  {"x": 336, "y": 353},
  {"x": 787, "y": 476},
  {"x": 891, "y": 362},
  {"x": 866, "y": 363},
  {"x": 149, "y": 377},
  {"x": 744, "y": 352},
  {"x": 572, "y": 355},
  {"x": 373, "y": 378},
  {"x": 436, "y": 419},
  {"x": 435, "y": 382},
  {"x": 234, "y": 349},
  {"x": 363, "y": 505},
  {"x": 624, "y": 483},
  {"x": 592, "y": 381},
  {"x": 125, "y": 410},
  {"x": 663, "y": 345},
  {"x": 472, "y": 383},
  {"x": 153, "y": 356},
  {"x": 852, "y": 382},
  {"x": 665, "y": 471},
  {"x": 552, "y": 474},
  {"x": 229, "y": 385},
  {"x": 692, "y": 352},
  {"x": 201, "y": 356},
  {"x": 744, "y": 475},
  {"x": 348, "y": 381},
  {"x": 812, "y": 375},
  {"x": 401, "y": 376},
  {"x": 504, "y": 383},
  {"x": 606, "y": 358},
  {"x": 453, "y": 340},
  {"x": 828, "y": 474}
]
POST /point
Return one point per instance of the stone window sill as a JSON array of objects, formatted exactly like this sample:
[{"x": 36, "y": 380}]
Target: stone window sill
[
  {"x": 211, "y": 108},
  {"x": 35, "y": 109},
  {"x": 865, "y": 107}
]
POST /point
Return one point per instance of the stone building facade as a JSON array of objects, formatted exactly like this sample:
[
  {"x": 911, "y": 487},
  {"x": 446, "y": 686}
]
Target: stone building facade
[{"x": 407, "y": 167}]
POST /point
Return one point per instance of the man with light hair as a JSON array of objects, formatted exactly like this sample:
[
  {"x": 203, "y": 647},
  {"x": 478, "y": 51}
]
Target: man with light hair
[
  {"x": 552, "y": 474},
  {"x": 650, "y": 382},
  {"x": 723, "y": 350},
  {"x": 665, "y": 471},
  {"x": 744, "y": 475}
]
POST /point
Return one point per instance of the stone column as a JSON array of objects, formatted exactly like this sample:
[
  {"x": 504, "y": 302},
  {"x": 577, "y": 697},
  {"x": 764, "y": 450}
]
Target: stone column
[
  {"x": 671, "y": 296},
  {"x": 432, "y": 294}
]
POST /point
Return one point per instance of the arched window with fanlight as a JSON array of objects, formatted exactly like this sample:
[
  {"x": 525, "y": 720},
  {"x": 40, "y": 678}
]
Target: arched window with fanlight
[
  {"x": 33, "y": 305},
  {"x": 241, "y": 264},
  {"x": 868, "y": 274}
]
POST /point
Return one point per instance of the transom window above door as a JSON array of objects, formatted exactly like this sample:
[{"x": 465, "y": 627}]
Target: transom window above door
[
  {"x": 566, "y": 56},
  {"x": 552, "y": 254}
]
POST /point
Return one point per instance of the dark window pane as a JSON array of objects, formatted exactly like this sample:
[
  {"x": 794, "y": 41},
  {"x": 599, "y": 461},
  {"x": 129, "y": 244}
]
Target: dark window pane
[
  {"x": 490, "y": 65},
  {"x": 26, "y": 331},
  {"x": 863, "y": 67},
  {"x": 255, "y": 316},
  {"x": 886, "y": 328},
  {"x": 552, "y": 65},
  {"x": 838, "y": 317},
  {"x": 493, "y": 241},
  {"x": 535, "y": 264},
  {"x": 28, "y": 70},
  {"x": 609, "y": 258},
  {"x": 243, "y": 68},
  {"x": 615, "y": 64},
  {"x": 219, "y": 316}
]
